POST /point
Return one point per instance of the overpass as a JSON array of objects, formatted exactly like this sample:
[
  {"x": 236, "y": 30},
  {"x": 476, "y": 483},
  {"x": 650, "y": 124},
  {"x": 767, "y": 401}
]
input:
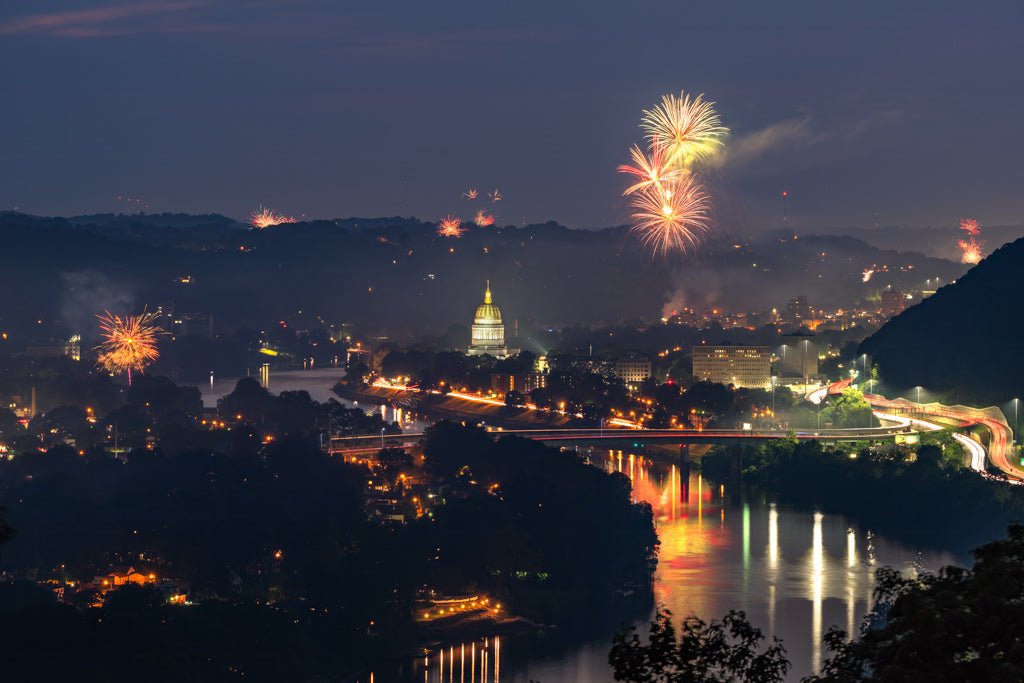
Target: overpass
[{"x": 359, "y": 445}]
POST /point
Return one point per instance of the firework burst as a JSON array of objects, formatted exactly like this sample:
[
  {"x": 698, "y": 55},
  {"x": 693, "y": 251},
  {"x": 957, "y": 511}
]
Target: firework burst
[
  {"x": 650, "y": 169},
  {"x": 970, "y": 250},
  {"x": 471, "y": 194},
  {"x": 866, "y": 275},
  {"x": 129, "y": 342},
  {"x": 483, "y": 219},
  {"x": 496, "y": 196},
  {"x": 970, "y": 226},
  {"x": 450, "y": 226},
  {"x": 670, "y": 207},
  {"x": 686, "y": 129},
  {"x": 266, "y": 218},
  {"x": 672, "y": 215}
]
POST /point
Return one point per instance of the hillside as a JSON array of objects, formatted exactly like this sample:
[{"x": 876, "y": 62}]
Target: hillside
[
  {"x": 395, "y": 276},
  {"x": 964, "y": 343}
]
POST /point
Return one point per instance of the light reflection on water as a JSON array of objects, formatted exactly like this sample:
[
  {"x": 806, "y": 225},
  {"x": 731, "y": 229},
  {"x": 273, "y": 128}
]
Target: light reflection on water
[{"x": 794, "y": 573}]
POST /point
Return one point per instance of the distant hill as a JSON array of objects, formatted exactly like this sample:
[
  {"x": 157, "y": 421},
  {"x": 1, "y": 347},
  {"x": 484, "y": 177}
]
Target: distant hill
[
  {"x": 966, "y": 342},
  {"x": 396, "y": 277}
]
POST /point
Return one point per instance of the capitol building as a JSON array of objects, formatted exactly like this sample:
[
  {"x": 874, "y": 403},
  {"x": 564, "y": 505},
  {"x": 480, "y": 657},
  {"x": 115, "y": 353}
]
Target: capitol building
[{"x": 488, "y": 329}]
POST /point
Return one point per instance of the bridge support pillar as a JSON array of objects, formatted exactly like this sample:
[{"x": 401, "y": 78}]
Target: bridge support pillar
[
  {"x": 684, "y": 473},
  {"x": 736, "y": 465}
]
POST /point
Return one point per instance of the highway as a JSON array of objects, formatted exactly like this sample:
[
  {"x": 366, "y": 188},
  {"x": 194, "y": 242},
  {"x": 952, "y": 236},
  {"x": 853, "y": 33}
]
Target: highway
[
  {"x": 999, "y": 451},
  {"x": 897, "y": 412}
]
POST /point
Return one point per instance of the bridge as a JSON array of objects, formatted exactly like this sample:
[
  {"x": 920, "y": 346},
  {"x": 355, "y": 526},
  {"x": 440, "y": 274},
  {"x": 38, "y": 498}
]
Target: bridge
[{"x": 361, "y": 445}]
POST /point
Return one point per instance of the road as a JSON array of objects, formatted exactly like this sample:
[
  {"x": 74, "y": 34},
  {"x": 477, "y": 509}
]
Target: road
[{"x": 1000, "y": 452}]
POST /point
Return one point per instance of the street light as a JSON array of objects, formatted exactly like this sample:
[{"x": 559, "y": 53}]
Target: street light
[
  {"x": 382, "y": 436},
  {"x": 1015, "y": 402}
]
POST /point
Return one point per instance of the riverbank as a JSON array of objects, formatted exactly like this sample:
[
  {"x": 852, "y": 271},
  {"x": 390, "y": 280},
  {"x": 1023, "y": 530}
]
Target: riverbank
[{"x": 911, "y": 499}]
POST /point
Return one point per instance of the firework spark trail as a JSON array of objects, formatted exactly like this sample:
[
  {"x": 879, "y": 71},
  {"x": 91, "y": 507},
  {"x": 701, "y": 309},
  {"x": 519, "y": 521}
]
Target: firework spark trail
[
  {"x": 672, "y": 216},
  {"x": 649, "y": 168},
  {"x": 685, "y": 129},
  {"x": 483, "y": 219},
  {"x": 970, "y": 250},
  {"x": 450, "y": 226},
  {"x": 471, "y": 194},
  {"x": 129, "y": 342},
  {"x": 266, "y": 218},
  {"x": 670, "y": 207},
  {"x": 970, "y": 226}
]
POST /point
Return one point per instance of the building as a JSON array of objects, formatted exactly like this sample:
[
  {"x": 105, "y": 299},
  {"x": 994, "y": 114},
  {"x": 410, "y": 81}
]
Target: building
[
  {"x": 741, "y": 366},
  {"x": 524, "y": 383},
  {"x": 893, "y": 303},
  {"x": 798, "y": 356},
  {"x": 798, "y": 310},
  {"x": 633, "y": 369},
  {"x": 194, "y": 324},
  {"x": 488, "y": 336}
]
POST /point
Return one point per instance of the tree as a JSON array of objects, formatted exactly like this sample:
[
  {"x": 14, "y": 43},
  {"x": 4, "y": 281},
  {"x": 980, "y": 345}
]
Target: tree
[
  {"x": 723, "y": 651},
  {"x": 957, "y": 625},
  {"x": 392, "y": 461}
]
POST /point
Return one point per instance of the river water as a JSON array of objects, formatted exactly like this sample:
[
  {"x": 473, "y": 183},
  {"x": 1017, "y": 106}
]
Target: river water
[
  {"x": 320, "y": 385},
  {"x": 795, "y": 574}
]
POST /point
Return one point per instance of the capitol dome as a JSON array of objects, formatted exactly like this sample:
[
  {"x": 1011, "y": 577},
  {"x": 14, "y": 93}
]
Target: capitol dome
[{"x": 488, "y": 329}]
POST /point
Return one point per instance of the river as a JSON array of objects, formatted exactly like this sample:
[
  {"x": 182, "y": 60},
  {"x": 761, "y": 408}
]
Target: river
[
  {"x": 795, "y": 573},
  {"x": 320, "y": 385}
]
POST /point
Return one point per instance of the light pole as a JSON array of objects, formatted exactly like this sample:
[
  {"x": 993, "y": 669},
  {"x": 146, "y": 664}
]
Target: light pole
[
  {"x": 1015, "y": 402},
  {"x": 805, "y": 366},
  {"x": 382, "y": 437},
  {"x": 773, "y": 398}
]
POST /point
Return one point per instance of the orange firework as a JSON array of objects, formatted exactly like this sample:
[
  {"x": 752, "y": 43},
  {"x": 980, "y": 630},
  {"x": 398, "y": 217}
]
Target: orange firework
[
  {"x": 483, "y": 219},
  {"x": 471, "y": 193},
  {"x": 970, "y": 250},
  {"x": 129, "y": 342},
  {"x": 650, "y": 169},
  {"x": 495, "y": 196},
  {"x": 970, "y": 226},
  {"x": 450, "y": 226},
  {"x": 266, "y": 218},
  {"x": 672, "y": 215}
]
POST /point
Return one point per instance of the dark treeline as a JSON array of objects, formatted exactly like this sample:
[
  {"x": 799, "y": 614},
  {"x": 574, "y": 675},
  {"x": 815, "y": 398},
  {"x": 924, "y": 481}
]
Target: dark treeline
[{"x": 289, "y": 574}]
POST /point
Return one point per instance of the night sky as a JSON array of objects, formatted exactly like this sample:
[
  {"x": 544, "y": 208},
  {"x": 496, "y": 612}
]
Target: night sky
[{"x": 868, "y": 113}]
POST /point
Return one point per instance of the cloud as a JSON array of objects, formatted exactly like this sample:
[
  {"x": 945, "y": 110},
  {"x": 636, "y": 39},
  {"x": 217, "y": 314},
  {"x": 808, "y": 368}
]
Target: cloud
[
  {"x": 786, "y": 135},
  {"x": 95, "y": 22}
]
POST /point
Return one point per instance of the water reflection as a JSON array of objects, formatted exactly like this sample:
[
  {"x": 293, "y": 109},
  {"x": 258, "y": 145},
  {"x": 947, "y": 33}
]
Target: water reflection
[
  {"x": 477, "y": 661},
  {"x": 795, "y": 574}
]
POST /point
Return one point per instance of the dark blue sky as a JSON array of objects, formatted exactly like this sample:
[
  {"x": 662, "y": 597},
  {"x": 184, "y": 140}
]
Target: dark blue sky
[{"x": 908, "y": 110}]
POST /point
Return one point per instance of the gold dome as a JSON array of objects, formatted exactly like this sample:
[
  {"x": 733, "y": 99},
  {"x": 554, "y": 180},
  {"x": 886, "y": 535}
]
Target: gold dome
[{"x": 487, "y": 313}]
